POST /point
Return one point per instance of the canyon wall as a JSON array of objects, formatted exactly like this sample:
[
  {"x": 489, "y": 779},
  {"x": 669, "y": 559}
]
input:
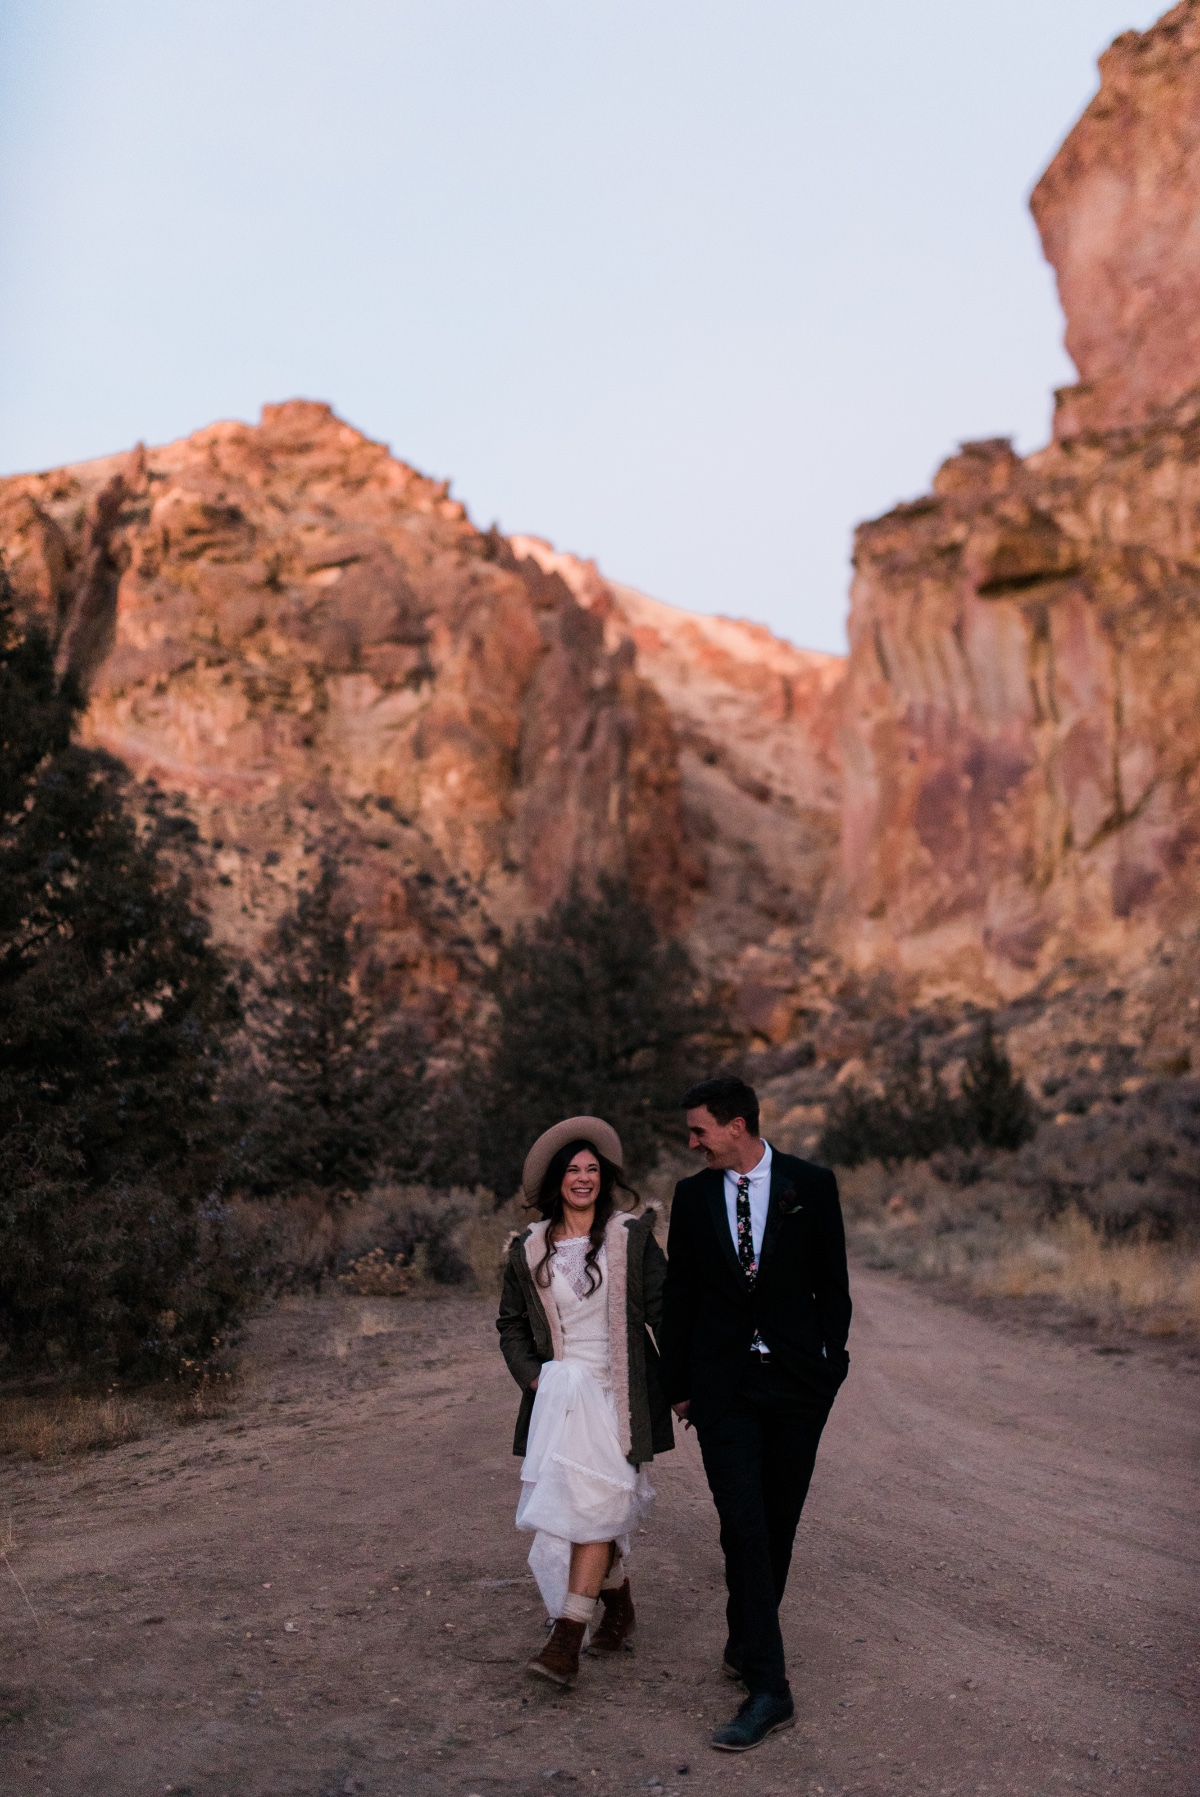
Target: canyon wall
[
  {"x": 1119, "y": 215},
  {"x": 756, "y": 727},
  {"x": 997, "y": 792},
  {"x": 1022, "y": 708},
  {"x": 310, "y": 641}
]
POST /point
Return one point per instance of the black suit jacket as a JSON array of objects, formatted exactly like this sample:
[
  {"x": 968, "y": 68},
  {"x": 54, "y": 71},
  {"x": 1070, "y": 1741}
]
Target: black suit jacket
[{"x": 800, "y": 1303}]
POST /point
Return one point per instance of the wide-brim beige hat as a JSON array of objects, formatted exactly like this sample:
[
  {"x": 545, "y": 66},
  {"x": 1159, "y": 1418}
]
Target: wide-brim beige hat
[{"x": 602, "y": 1136}]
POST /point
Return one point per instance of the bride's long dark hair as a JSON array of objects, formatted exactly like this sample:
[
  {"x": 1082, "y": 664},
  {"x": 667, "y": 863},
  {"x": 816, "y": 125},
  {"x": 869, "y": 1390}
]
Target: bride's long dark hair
[{"x": 550, "y": 1204}]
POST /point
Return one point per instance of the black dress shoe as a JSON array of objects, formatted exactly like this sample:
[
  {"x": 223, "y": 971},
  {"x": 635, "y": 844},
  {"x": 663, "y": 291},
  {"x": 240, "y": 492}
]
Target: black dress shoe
[{"x": 760, "y": 1716}]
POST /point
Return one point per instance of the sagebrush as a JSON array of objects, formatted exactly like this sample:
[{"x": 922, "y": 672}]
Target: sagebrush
[{"x": 914, "y": 1115}]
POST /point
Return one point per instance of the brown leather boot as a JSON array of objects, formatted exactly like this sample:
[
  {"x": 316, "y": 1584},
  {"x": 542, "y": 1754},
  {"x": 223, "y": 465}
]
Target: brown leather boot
[
  {"x": 618, "y": 1622},
  {"x": 559, "y": 1659}
]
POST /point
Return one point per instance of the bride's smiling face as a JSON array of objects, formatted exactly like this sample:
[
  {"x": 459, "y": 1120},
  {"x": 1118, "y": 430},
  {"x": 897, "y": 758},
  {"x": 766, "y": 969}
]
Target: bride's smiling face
[{"x": 581, "y": 1182}]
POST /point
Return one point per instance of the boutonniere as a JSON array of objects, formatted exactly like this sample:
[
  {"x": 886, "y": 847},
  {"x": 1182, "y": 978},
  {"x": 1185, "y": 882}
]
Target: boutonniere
[{"x": 789, "y": 1204}]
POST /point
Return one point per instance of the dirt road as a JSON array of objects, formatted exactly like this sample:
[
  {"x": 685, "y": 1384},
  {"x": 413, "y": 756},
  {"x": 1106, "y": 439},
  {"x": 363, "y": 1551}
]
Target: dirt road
[{"x": 995, "y": 1587}]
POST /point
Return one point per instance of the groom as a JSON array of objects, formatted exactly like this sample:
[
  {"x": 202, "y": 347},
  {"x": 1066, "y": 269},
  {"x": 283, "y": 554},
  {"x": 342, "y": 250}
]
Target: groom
[{"x": 756, "y": 1311}]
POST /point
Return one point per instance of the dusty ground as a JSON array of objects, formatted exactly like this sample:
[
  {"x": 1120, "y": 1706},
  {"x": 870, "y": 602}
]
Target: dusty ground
[{"x": 995, "y": 1586}]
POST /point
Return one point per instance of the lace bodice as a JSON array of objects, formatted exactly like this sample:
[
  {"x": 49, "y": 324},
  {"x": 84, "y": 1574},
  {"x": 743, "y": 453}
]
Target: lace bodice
[
  {"x": 570, "y": 1257},
  {"x": 584, "y": 1318}
]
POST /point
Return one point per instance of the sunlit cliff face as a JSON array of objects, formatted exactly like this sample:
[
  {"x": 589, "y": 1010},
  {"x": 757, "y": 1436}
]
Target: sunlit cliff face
[
  {"x": 1000, "y": 788},
  {"x": 1022, "y": 710},
  {"x": 306, "y": 637},
  {"x": 1119, "y": 214}
]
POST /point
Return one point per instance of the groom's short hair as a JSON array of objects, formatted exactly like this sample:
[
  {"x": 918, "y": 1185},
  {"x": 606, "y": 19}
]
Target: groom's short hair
[{"x": 726, "y": 1099}]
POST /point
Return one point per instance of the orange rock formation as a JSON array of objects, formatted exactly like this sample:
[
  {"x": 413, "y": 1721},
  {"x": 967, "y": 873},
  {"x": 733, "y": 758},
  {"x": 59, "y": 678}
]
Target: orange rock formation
[
  {"x": 1022, "y": 711},
  {"x": 301, "y": 634},
  {"x": 1001, "y": 785},
  {"x": 755, "y": 721},
  {"x": 1119, "y": 214}
]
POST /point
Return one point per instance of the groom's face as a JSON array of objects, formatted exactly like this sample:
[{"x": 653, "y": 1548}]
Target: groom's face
[{"x": 719, "y": 1143}]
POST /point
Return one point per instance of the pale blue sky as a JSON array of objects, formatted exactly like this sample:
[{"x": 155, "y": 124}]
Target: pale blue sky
[{"x": 687, "y": 285}]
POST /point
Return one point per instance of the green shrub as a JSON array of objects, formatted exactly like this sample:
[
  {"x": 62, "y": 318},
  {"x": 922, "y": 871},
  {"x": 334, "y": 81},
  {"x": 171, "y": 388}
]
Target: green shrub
[
  {"x": 914, "y": 1116},
  {"x": 910, "y": 1119},
  {"x": 428, "y": 1229}
]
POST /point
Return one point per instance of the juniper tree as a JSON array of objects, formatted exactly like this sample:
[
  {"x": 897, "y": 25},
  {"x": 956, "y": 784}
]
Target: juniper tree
[
  {"x": 339, "y": 1093},
  {"x": 115, "y": 1011},
  {"x": 914, "y": 1116},
  {"x": 595, "y": 1015},
  {"x": 997, "y": 1109}
]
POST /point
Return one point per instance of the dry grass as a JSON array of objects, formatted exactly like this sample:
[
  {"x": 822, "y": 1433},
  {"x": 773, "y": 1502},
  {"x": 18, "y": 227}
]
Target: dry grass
[
  {"x": 209, "y": 1395},
  {"x": 993, "y": 1240},
  {"x": 1152, "y": 1286},
  {"x": 484, "y": 1237},
  {"x": 45, "y": 1428},
  {"x": 53, "y": 1425}
]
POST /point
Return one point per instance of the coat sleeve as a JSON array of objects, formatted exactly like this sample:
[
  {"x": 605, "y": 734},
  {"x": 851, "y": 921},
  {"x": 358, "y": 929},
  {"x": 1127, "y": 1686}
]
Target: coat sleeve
[
  {"x": 831, "y": 1279},
  {"x": 678, "y": 1305},
  {"x": 516, "y": 1331},
  {"x": 654, "y": 1273}
]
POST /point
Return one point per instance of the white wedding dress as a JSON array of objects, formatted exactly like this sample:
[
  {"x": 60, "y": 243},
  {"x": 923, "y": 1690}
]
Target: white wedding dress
[{"x": 576, "y": 1484}]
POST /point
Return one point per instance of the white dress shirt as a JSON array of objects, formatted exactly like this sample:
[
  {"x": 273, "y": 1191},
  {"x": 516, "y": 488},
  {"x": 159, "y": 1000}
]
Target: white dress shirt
[{"x": 760, "y": 1194}]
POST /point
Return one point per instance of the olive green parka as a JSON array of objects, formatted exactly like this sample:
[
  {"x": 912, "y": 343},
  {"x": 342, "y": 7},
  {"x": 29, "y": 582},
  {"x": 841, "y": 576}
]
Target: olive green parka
[{"x": 530, "y": 1335}]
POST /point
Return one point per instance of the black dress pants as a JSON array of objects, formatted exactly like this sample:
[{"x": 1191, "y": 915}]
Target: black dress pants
[{"x": 758, "y": 1458}]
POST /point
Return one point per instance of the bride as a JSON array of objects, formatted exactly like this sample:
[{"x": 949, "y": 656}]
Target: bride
[{"x": 582, "y": 1288}]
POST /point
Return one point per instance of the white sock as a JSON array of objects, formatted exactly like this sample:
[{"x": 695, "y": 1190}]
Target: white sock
[
  {"x": 616, "y": 1575},
  {"x": 577, "y": 1608}
]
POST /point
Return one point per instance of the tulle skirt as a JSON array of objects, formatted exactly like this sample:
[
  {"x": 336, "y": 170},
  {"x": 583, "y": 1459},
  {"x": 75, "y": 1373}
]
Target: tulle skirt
[{"x": 576, "y": 1484}]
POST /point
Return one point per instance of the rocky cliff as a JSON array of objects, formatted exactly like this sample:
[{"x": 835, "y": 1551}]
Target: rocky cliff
[
  {"x": 1022, "y": 708},
  {"x": 756, "y": 729},
  {"x": 311, "y": 642},
  {"x": 997, "y": 796},
  {"x": 1119, "y": 215},
  {"x": 308, "y": 640}
]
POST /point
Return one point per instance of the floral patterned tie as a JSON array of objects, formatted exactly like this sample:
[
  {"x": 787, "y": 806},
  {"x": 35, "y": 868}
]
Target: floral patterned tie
[
  {"x": 745, "y": 1246},
  {"x": 745, "y": 1232}
]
